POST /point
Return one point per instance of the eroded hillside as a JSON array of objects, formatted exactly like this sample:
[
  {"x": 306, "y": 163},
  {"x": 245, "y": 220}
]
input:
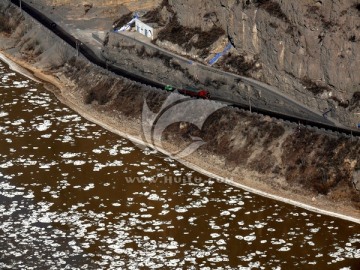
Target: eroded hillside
[
  {"x": 131, "y": 4},
  {"x": 309, "y": 49},
  {"x": 265, "y": 151}
]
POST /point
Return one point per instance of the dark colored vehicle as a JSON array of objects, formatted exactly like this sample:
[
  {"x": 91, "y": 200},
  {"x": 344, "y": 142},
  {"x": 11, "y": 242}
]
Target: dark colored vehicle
[
  {"x": 169, "y": 88},
  {"x": 194, "y": 92}
]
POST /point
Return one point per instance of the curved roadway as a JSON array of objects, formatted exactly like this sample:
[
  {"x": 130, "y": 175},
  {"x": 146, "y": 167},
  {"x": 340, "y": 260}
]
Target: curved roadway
[{"x": 94, "y": 58}]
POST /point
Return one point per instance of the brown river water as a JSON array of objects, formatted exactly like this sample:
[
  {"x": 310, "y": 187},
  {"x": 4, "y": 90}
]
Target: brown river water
[{"x": 75, "y": 196}]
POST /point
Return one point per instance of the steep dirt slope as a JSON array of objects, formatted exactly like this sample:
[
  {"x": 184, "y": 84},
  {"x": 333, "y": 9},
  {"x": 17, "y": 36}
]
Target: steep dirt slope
[{"x": 261, "y": 150}]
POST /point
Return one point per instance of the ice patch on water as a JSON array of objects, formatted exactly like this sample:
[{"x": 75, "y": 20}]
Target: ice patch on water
[
  {"x": 126, "y": 150},
  {"x": 21, "y": 84},
  {"x": 70, "y": 155},
  {"x": 315, "y": 230},
  {"x": 154, "y": 197},
  {"x": 6, "y": 165},
  {"x": 225, "y": 213},
  {"x": 89, "y": 186},
  {"x": 79, "y": 162},
  {"x": 115, "y": 163},
  {"x": 97, "y": 151},
  {"x": 44, "y": 126},
  {"x": 180, "y": 209},
  {"x": 250, "y": 238},
  {"x": 47, "y": 165},
  {"x": 3, "y": 114},
  {"x": 18, "y": 122}
]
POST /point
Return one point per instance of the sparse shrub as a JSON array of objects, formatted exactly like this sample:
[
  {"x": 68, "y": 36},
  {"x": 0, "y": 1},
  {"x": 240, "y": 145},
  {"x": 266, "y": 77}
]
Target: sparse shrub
[
  {"x": 154, "y": 15},
  {"x": 100, "y": 93},
  {"x": 313, "y": 87},
  {"x": 273, "y": 25},
  {"x": 356, "y": 97},
  {"x": 341, "y": 103},
  {"x": 357, "y": 6},
  {"x": 355, "y": 101},
  {"x": 106, "y": 40},
  {"x": 141, "y": 52},
  {"x": 238, "y": 64},
  {"x": 313, "y": 10},
  {"x": 327, "y": 24},
  {"x": 273, "y": 8},
  {"x": 181, "y": 35},
  {"x": 87, "y": 7},
  {"x": 5, "y": 25},
  {"x": 176, "y": 33},
  {"x": 206, "y": 39},
  {"x": 123, "y": 20}
]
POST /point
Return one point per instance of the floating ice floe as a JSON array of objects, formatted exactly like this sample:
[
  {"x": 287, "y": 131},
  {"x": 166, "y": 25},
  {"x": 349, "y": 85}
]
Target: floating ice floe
[
  {"x": 18, "y": 122},
  {"x": 67, "y": 138},
  {"x": 70, "y": 155},
  {"x": 44, "y": 126},
  {"x": 284, "y": 249},
  {"x": 180, "y": 209},
  {"x": 6, "y": 165},
  {"x": 3, "y": 114},
  {"x": 126, "y": 150},
  {"x": 89, "y": 186},
  {"x": 154, "y": 197},
  {"x": 115, "y": 163},
  {"x": 79, "y": 162},
  {"x": 277, "y": 241},
  {"x": 47, "y": 165},
  {"x": 250, "y": 238},
  {"x": 315, "y": 230},
  {"x": 215, "y": 235},
  {"x": 113, "y": 152},
  {"x": 21, "y": 84},
  {"x": 97, "y": 151},
  {"x": 225, "y": 213}
]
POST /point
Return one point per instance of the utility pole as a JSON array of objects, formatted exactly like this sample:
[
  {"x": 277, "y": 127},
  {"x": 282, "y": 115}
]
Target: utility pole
[
  {"x": 20, "y": 5},
  {"x": 250, "y": 103},
  {"x": 77, "y": 47},
  {"x": 249, "y": 98}
]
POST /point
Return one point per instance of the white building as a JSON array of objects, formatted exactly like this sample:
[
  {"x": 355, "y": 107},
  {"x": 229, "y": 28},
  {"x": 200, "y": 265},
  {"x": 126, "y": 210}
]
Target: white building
[{"x": 147, "y": 29}]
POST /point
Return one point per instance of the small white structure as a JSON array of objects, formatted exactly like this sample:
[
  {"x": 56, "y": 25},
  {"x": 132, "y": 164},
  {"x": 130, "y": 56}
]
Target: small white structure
[{"x": 146, "y": 29}]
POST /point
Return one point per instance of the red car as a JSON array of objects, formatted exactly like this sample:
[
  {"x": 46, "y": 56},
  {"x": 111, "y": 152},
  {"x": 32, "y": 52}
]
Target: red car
[{"x": 194, "y": 92}]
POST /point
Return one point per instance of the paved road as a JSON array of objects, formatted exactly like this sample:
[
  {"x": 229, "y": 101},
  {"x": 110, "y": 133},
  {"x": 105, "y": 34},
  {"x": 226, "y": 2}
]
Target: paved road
[{"x": 261, "y": 96}]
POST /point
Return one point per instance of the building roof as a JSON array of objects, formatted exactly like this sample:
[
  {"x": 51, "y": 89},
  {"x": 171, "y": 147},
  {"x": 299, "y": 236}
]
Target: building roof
[{"x": 151, "y": 24}]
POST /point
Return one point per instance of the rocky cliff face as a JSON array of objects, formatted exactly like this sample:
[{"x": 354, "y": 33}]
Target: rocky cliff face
[
  {"x": 131, "y": 4},
  {"x": 309, "y": 49},
  {"x": 286, "y": 158}
]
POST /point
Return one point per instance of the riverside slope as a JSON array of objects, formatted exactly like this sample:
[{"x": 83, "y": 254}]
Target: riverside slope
[{"x": 253, "y": 150}]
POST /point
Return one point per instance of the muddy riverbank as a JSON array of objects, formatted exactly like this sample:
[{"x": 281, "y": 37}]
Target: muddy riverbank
[{"x": 304, "y": 165}]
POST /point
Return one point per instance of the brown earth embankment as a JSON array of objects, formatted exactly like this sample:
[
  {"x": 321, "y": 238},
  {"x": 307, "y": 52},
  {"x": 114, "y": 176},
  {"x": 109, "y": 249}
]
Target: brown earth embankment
[{"x": 306, "y": 165}]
